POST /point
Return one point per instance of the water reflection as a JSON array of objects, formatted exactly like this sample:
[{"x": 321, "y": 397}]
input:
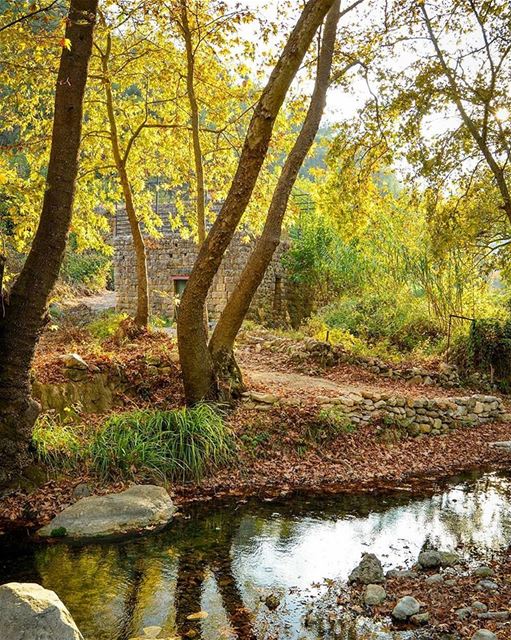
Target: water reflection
[{"x": 226, "y": 561}]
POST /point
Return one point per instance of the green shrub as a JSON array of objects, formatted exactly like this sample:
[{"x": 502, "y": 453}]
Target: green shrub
[
  {"x": 179, "y": 445},
  {"x": 487, "y": 349},
  {"x": 400, "y": 320},
  {"x": 106, "y": 325},
  {"x": 329, "y": 423},
  {"x": 89, "y": 269},
  {"x": 56, "y": 443}
]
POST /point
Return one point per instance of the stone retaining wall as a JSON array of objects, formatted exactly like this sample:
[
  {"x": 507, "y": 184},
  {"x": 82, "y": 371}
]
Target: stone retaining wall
[{"x": 418, "y": 415}]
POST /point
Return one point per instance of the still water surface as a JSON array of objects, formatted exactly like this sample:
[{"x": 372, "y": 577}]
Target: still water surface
[{"x": 226, "y": 560}]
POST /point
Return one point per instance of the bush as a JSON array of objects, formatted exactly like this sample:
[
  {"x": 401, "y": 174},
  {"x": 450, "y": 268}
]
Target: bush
[
  {"x": 55, "y": 441},
  {"x": 179, "y": 445},
  {"x": 91, "y": 269},
  {"x": 489, "y": 348},
  {"x": 400, "y": 320},
  {"x": 329, "y": 423},
  {"x": 106, "y": 325}
]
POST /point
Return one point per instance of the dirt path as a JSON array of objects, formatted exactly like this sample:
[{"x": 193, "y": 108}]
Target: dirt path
[
  {"x": 336, "y": 382},
  {"x": 288, "y": 383},
  {"x": 97, "y": 302}
]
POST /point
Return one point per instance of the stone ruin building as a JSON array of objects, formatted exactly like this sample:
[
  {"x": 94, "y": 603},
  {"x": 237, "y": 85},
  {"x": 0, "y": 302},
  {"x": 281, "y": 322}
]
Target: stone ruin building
[{"x": 170, "y": 259}]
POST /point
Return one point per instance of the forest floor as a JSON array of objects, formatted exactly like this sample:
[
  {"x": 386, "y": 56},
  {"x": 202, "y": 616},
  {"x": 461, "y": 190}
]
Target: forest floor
[{"x": 277, "y": 455}]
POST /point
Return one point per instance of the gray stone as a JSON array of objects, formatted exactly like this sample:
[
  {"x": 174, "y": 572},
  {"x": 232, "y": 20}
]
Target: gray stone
[
  {"x": 448, "y": 558},
  {"x": 435, "y": 579},
  {"x": 479, "y": 607},
  {"x": 420, "y": 619},
  {"x": 374, "y": 594},
  {"x": 30, "y": 612},
  {"x": 402, "y": 574},
  {"x": 74, "y": 361},
  {"x": 82, "y": 490},
  {"x": 484, "y": 634},
  {"x": 369, "y": 570},
  {"x": 464, "y": 613},
  {"x": 430, "y": 559},
  {"x": 487, "y": 585},
  {"x": 484, "y": 572},
  {"x": 141, "y": 508},
  {"x": 501, "y": 616},
  {"x": 265, "y": 398},
  {"x": 405, "y": 608}
]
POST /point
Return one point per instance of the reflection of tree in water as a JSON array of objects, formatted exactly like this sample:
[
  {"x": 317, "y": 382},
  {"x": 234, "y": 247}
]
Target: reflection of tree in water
[
  {"x": 115, "y": 590},
  {"x": 193, "y": 566}
]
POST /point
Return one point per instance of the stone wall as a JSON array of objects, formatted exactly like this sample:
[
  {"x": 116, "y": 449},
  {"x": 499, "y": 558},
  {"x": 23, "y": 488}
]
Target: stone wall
[
  {"x": 419, "y": 415},
  {"x": 171, "y": 258}
]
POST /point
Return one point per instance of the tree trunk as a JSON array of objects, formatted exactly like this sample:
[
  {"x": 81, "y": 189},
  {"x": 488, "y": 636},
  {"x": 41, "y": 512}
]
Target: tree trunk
[
  {"x": 222, "y": 341},
  {"x": 142, "y": 313},
  {"x": 194, "y": 109},
  {"x": 196, "y": 363},
  {"x": 23, "y": 313}
]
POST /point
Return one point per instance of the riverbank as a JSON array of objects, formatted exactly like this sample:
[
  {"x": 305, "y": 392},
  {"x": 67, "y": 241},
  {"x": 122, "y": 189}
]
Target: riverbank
[{"x": 277, "y": 457}]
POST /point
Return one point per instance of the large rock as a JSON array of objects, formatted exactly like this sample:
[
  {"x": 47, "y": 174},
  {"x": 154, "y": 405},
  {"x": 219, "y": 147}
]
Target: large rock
[
  {"x": 432, "y": 559},
  {"x": 140, "y": 508},
  {"x": 30, "y": 612},
  {"x": 369, "y": 571},
  {"x": 406, "y": 608},
  {"x": 375, "y": 594}
]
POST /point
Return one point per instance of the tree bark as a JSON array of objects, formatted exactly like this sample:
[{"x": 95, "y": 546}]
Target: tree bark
[
  {"x": 142, "y": 313},
  {"x": 222, "y": 341},
  {"x": 196, "y": 362},
  {"x": 23, "y": 314},
  {"x": 195, "y": 124}
]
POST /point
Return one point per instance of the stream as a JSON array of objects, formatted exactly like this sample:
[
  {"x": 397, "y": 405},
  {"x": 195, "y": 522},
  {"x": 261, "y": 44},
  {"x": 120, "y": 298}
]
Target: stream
[{"x": 227, "y": 559}]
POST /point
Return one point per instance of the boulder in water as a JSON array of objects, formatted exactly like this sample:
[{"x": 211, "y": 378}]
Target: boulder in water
[{"x": 139, "y": 509}]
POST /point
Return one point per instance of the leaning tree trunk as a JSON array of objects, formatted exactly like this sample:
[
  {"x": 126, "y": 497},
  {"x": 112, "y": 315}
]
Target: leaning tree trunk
[
  {"x": 142, "y": 313},
  {"x": 23, "y": 313},
  {"x": 196, "y": 363},
  {"x": 222, "y": 341},
  {"x": 195, "y": 123}
]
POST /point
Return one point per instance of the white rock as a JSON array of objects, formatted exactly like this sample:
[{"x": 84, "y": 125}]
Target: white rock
[
  {"x": 484, "y": 634},
  {"x": 140, "y": 508},
  {"x": 30, "y": 612},
  {"x": 405, "y": 608}
]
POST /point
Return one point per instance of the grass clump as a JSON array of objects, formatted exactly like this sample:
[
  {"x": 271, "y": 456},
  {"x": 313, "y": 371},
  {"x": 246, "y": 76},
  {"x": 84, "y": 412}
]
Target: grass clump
[
  {"x": 182, "y": 444},
  {"x": 55, "y": 441},
  {"x": 329, "y": 423}
]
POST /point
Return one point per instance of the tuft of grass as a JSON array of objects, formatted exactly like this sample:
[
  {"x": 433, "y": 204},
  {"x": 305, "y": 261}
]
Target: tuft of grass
[
  {"x": 56, "y": 443},
  {"x": 329, "y": 424},
  {"x": 181, "y": 444}
]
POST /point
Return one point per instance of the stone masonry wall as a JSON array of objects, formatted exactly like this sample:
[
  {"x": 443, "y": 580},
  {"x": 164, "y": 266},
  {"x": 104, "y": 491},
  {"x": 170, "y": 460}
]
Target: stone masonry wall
[
  {"x": 417, "y": 415},
  {"x": 171, "y": 258}
]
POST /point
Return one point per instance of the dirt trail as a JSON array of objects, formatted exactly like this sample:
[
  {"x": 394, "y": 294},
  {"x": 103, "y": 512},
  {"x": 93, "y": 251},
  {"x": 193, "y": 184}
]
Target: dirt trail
[
  {"x": 337, "y": 382},
  {"x": 287, "y": 383}
]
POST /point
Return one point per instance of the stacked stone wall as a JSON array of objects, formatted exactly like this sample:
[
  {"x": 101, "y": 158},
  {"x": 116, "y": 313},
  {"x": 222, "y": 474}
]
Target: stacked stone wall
[{"x": 173, "y": 257}]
